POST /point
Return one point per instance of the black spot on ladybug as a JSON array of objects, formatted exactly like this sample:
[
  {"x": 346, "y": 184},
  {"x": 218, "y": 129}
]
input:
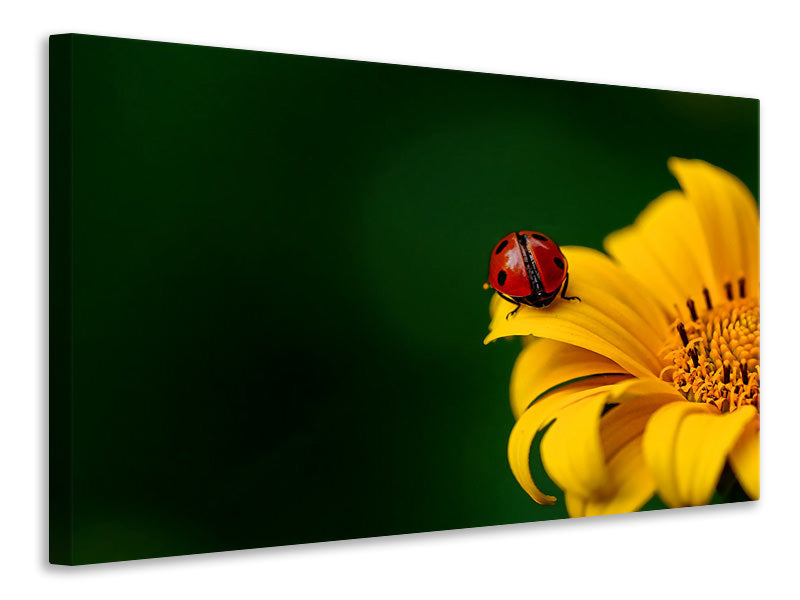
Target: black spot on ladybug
[
  {"x": 540, "y": 237},
  {"x": 500, "y": 246},
  {"x": 559, "y": 263},
  {"x": 501, "y": 277}
]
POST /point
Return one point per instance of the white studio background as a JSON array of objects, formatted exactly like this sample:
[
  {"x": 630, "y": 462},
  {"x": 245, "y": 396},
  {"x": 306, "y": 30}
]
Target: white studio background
[{"x": 733, "y": 48}]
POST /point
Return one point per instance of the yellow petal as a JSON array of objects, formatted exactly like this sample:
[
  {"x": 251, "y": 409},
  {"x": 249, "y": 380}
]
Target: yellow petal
[
  {"x": 591, "y": 458},
  {"x": 660, "y": 450},
  {"x": 572, "y": 453},
  {"x": 632, "y": 484},
  {"x": 576, "y": 505},
  {"x": 608, "y": 277},
  {"x": 746, "y": 457},
  {"x": 638, "y": 401},
  {"x": 686, "y": 445},
  {"x": 728, "y": 217},
  {"x": 532, "y": 421},
  {"x": 545, "y": 364},
  {"x": 665, "y": 249},
  {"x": 610, "y": 319}
]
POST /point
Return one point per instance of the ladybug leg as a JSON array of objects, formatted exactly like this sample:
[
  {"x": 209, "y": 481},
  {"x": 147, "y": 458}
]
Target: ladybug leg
[
  {"x": 510, "y": 299},
  {"x": 564, "y": 291}
]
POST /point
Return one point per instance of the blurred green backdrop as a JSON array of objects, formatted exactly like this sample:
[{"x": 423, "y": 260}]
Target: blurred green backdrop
[{"x": 276, "y": 280}]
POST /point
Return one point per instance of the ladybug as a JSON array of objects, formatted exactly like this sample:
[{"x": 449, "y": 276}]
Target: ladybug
[{"x": 527, "y": 267}]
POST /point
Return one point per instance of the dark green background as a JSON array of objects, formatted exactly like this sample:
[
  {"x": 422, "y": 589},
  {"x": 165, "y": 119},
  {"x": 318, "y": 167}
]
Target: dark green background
[{"x": 275, "y": 270}]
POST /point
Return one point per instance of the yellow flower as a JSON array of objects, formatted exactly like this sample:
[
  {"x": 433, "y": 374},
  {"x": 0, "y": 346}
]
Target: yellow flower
[{"x": 651, "y": 382}]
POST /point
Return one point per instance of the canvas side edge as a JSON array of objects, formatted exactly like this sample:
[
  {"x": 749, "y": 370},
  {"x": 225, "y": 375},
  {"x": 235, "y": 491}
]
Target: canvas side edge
[{"x": 60, "y": 301}]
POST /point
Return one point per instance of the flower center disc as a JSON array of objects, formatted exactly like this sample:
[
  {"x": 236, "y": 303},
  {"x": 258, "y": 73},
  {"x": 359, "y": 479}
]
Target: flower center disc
[{"x": 716, "y": 357}]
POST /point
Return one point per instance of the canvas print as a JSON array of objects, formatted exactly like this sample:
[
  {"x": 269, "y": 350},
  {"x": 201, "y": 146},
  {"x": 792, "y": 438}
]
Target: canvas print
[{"x": 297, "y": 299}]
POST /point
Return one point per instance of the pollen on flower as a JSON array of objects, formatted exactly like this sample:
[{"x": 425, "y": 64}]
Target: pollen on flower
[{"x": 714, "y": 357}]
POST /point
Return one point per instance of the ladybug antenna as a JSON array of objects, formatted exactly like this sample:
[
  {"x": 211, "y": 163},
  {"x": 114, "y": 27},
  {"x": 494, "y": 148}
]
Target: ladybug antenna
[{"x": 486, "y": 285}]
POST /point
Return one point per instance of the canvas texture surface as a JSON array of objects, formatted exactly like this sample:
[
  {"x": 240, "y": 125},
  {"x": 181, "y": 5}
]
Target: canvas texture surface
[{"x": 266, "y": 306}]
